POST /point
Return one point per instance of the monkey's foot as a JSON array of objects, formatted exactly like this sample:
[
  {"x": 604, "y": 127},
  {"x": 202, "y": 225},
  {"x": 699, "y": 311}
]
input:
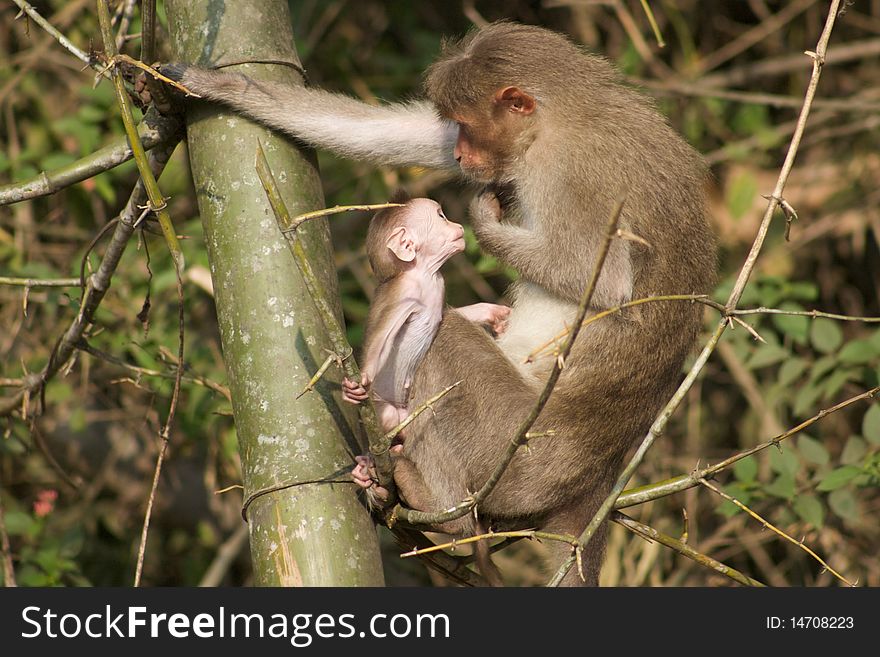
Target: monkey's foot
[{"x": 354, "y": 392}]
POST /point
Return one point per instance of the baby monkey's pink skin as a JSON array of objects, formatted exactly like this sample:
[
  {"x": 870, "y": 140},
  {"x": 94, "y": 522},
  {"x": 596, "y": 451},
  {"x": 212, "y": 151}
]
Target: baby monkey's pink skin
[{"x": 405, "y": 314}]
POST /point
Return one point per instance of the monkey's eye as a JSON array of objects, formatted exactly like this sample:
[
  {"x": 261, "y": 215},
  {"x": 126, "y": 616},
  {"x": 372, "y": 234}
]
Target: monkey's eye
[{"x": 440, "y": 212}]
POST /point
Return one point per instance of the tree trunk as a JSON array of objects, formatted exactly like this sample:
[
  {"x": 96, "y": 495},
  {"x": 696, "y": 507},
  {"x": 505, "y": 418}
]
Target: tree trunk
[{"x": 311, "y": 534}]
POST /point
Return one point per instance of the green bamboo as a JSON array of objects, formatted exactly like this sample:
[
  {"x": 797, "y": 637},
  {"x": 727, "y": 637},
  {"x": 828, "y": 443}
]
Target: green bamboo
[{"x": 314, "y": 534}]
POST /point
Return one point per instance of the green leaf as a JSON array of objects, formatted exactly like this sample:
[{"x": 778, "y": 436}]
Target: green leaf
[
  {"x": 810, "y": 509},
  {"x": 835, "y": 382},
  {"x": 844, "y": 504},
  {"x": 782, "y": 486},
  {"x": 797, "y": 327},
  {"x": 785, "y": 461},
  {"x": 871, "y": 424},
  {"x": 767, "y": 354},
  {"x": 825, "y": 335},
  {"x": 858, "y": 352},
  {"x": 812, "y": 450},
  {"x": 791, "y": 370},
  {"x": 854, "y": 450},
  {"x": 802, "y": 290},
  {"x": 805, "y": 400},
  {"x": 19, "y": 523},
  {"x": 839, "y": 477},
  {"x": 821, "y": 367},
  {"x": 746, "y": 469}
]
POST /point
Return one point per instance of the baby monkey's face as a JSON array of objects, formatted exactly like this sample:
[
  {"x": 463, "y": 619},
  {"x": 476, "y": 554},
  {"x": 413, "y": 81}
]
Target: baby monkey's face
[{"x": 436, "y": 236}]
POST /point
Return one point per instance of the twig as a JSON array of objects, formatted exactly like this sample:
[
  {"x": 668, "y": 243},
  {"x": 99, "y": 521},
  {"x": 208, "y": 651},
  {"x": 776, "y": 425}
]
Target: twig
[
  {"x": 521, "y": 438},
  {"x": 389, "y": 436},
  {"x": 83, "y": 345},
  {"x": 653, "y": 21},
  {"x": 651, "y": 534},
  {"x": 6, "y": 551},
  {"x": 776, "y": 530},
  {"x": 153, "y": 130},
  {"x": 332, "y": 358},
  {"x": 60, "y": 38},
  {"x": 125, "y": 11},
  {"x": 852, "y": 104},
  {"x": 802, "y": 313},
  {"x": 706, "y": 301},
  {"x": 454, "y": 568},
  {"x": 536, "y": 352},
  {"x": 651, "y": 492},
  {"x": 522, "y": 533},
  {"x": 379, "y": 447},
  {"x": 39, "y": 282},
  {"x": 159, "y": 208},
  {"x": 156, "y": 75},
  {"x": 659, "y": 424},
  {"x": 298, "y": 220}
]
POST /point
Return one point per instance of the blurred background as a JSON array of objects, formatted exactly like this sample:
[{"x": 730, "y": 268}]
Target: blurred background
[{"x": 731, "y": 78}]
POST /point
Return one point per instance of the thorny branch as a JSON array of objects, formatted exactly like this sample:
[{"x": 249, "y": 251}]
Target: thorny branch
[
  {"x": 659, "y": 425},
  {"x": 657, "y": 490},
  {"x": 97, "y": 285},
  {"x": 776, "y": 530},
  {"x": 651, "y": 534},
  {"x": 155, "y": 129},
  {"x": 159, "y": 208}
]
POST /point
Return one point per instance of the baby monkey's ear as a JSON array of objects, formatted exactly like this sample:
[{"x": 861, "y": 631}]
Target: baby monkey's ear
[{"x": 401, "y": 244}]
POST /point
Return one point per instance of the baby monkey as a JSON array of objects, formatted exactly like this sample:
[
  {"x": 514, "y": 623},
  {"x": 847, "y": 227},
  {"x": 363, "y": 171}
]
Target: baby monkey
[{"x": 406, "y": 246}]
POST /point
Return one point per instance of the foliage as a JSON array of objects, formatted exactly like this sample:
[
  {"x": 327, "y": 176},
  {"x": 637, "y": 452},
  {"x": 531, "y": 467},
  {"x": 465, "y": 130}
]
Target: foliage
[{"x": 96, "y": 441}]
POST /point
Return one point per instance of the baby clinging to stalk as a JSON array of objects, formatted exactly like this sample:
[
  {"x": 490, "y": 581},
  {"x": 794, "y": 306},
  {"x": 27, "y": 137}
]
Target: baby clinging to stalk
[{"x": 406, "y": 246}]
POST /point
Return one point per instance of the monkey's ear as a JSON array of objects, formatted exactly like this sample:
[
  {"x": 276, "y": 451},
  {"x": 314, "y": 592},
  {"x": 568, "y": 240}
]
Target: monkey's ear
[
  {"x": 515, "y": 100},
  {"x": 401, "y": 244}
]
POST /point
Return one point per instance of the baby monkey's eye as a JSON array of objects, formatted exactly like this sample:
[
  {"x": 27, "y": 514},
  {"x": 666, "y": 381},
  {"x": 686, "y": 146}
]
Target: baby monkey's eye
[{"x": 440, "y": 212}]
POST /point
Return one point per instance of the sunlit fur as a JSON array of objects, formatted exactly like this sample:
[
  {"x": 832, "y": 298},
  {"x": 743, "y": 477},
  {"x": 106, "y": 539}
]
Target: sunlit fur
[{"x": 589, "y": 142}]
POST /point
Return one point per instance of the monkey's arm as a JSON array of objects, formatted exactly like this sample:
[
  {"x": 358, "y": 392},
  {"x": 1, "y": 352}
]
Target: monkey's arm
[
  {"x": 492, "y": 315},
  {"x": 399, "y": 134},
  {"x": 383, "y": 325},
  {"x": 538, "y": 259}
]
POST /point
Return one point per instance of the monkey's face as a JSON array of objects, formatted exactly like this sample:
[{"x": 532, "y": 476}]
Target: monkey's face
[
  {"x": 437, "y": 238},
  {"x": 491, "y": 139}
]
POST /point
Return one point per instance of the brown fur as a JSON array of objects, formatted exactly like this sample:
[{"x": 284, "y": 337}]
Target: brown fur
[{"x": 589, "y": 142}]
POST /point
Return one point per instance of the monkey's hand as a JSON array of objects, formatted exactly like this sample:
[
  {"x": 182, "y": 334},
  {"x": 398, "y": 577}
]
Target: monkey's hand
[
  {"x": 354, "y": 392},
  {"x": 486, "y": 211},
  {"x": 364, "y": 475},
  {"x": 492, "y": 315}
]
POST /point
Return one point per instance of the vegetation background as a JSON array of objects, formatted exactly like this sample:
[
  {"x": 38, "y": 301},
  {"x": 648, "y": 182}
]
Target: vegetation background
[{"x": 731, "y": 78}]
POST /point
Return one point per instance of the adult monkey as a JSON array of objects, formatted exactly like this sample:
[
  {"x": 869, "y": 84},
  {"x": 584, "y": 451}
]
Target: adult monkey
[{"x": 555, "y": 132}]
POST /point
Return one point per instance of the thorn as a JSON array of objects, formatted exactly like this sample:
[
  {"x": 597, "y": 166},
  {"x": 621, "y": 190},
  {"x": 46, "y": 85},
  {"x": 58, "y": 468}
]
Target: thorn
[
  {"x": 818, "y": 60},
  {"x": 632, "y": 237}
]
